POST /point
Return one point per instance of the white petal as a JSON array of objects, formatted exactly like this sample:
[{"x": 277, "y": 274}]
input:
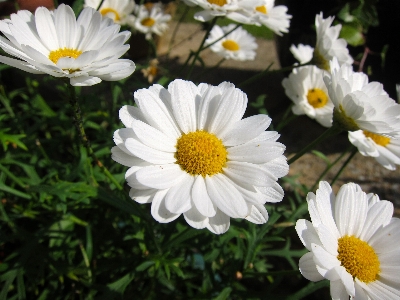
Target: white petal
[
  {"x": 123, "y": 158},
  {"x": 307, "y": 234},
  {"x": 256, "y": 152},
  {"x": 308, "y": 269},
  {"x": 386, "y": 239},
  {"x": 128, "y": 114},
  {"x": 379, "y": 215},
  {"x": 142, "y": 196},
  {"x": 338, "y": 291},
  {"x": 360, "y": 293},
  {"x": 84, "y": 81},
  {"x": 226, "y": 197},
  {"x": 158, "y": 210},
  {"x": 272, "y": 193},
  {"x": 149, "y": 154},
  {"x": 178, "y": 199},
  {"x": 324, "y": 258},
  {"x": 219, "y": 223},
  {"x": 152, "y": 137},
  {"x": 201, "y": 199},
  {"x": 160, "y": 176},
  {"x": 195, "y": 219},
  {"x": 258, "y": 214},
  {"x": 328, "y": 240},
  {"x": 19, "y": 64},
  {"x": 46, "y": 28},
  {"x": 248, "y": 173}
]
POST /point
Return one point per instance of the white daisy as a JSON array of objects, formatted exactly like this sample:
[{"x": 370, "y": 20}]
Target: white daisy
[
  {"x": 306, "y": 88},
  {"x": 237, "y": 45},
  {"x": 303, "y": 53},
  {"x": 191, "y": 153},
  {"x": 385, "y": 150},
  {"x": 271, "y": 16},
  {"x": 85, "y": 50},
  {"x": 353, "y": 242},
  {"x": 118, "y": 10},
  {"x": 151, "y": 21},
  {"x": 328, "y": 44},
  {"x": 235, "y": 10},
  {"x": 359, "y": 104}
]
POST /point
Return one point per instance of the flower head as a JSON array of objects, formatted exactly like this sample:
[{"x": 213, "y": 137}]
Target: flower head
[
  {"x": 359, "y": 104},
  {"x": 271, "y": 16},
  {"x": 385, "y": 150},
  {"x": 150, "y": 21},
  {"x": 306, "y": 88},
  {"x": 85, "y": 50},
  {"x": 303, "y": 53},
  {"x": 328, "y": 44},
  {"x": 237, "y": 45},
  {"x": 353, "y": 242},
  {"x": 191, "y": 153},
  {"x": 235, "y": 10},
  {"x": 118, "y": 10}
]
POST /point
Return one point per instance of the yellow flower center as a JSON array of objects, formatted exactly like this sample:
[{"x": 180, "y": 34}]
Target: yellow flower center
[
  {"x": 148, "y": 22},
  {"x": 359, "y": 258},
  {"x": 378, "y": 139},
  {"x": 230, "y": 45},
  {"x": 262, "y": 9},
  {"x": 107, "y": 11},
  {"x": 320, "y": 61},
  {"x": 346, "y": 123},
  {"x": 217, "y": 2},
  {"x": 201, "y": 153},
  {"x": 317, "y": 98},
  {"x": 55, "y": 55}
]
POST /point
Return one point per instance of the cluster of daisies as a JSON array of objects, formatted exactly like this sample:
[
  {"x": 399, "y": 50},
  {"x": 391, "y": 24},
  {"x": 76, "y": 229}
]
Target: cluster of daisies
[
  {"x": 148, "y": 18},
  {"x": 329, "y": 91},
  {"x": 190, "y": 152}
]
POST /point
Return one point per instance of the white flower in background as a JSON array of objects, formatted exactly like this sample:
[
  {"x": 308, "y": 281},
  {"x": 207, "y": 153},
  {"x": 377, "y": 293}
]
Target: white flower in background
[
  {"x": 328, "y": 44},
  {"x": 359, "y": 104},
  {"x": 353, "y": 242},
  {"x": 303, "y": 53},
  {"x": 191, "y": 153},
  {"x": 118, "y": 10},
  {"x": 237, "y": 45},
  {"x": 273, "y": 17},
  {"x": 385, "y": 150},
  {"x": 236, "y": 10},
  {"x": 306, "y": 88},
  {"x": 85, "y": 50},
  {"x": 151, "y": 21}
]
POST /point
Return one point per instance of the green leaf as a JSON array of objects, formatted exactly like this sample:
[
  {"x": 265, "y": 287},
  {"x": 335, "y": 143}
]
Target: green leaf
[
  {"x": 145, "y": 265},
  {"x": 224, "y": 294},
  {"x": 308, "y": 290},
  {"x": 13, "y": 139},
  {"x": 352, "y": 34}
]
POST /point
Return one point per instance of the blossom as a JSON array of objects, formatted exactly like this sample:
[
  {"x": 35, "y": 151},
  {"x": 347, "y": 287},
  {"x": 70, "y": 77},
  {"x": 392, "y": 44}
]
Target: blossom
[
  {"x": 85, "y": 50},
  {"x": 303, "y": 53},
  {"x": 235, "y": 10},
  {"x": 151, "y": 71},
  {"x": 150, "y": 21},
  {"x": 273, "y": 17},
  {"x": 328, "y": 44},
  {"x": 353, "y": 242},
  {"x": 118, "y": 10},
  {"x": 190, "y": 152},
  {"x": 359, "y": 104},
  {"x": 306, "y": 88},
  {"x": 385, "y": 150},
  {"x": 237, "y": 45}
]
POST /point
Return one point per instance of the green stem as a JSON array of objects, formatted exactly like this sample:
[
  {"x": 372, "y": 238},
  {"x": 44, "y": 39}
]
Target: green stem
[
  {"x": 196, "y": 55},
  {"x": 73, "y": 100},
  {"x": 334, "y": 130},
  {"x": 328, "y": 167},
  {"x": 101, "y": 3},
  {"x": 353, "y": 153}
]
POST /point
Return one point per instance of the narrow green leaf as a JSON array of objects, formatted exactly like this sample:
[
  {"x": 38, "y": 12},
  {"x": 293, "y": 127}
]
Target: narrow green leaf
[{"x": 224, "y": 294}]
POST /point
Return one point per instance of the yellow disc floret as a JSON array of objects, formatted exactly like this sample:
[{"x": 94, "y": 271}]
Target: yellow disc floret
[
  {"x": 148, "y": 22},
  {"x": 359, "y": 258},
  {"x": 55, "y": 55},
  {"x": 107, "y": 11},
  {"x": 201, "y": 153},
  {"x": 378, "y": 139},
  {"x": 262, "y": 9},
  {"x": 317, "y": 98},
  {"x": 217, "y": 2},
  {"x": 230, "y": 45}
]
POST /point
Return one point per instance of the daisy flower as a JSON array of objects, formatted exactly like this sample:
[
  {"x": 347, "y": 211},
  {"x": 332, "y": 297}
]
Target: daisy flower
[
  {"x": 117, "y": 10},
  {"x": 353, "y": 242},
  {"x": 306, "y": 88},
  {"x": 385, "y": 150},
  {"x": 191, "y": 153},
  {"x": 237, "y": 45},
  {"x": 303, "y": 53},
  {"x": 359, "y": 104},
  {"x": 328, "y": 44},
  {"x": 85, "y": 50},
  {"x": 150, "y": 21},
  {"x": 273, "y": 17},
  {"x": 235, "y": 10}
]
